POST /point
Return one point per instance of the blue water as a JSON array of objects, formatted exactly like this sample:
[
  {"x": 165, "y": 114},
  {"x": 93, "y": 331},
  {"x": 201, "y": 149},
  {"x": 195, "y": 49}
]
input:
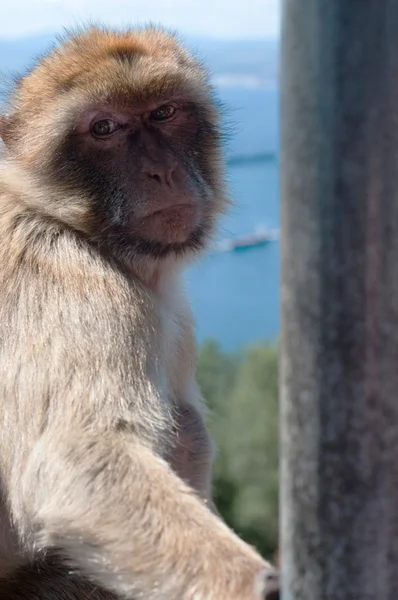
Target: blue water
[{"x": 235, "y": 295}]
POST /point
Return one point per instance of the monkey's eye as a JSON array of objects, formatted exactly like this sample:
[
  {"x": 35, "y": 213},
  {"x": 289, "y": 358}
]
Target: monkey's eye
[
  {"x": 163, "y": 113},
  {"x": 104, "y": 128}
]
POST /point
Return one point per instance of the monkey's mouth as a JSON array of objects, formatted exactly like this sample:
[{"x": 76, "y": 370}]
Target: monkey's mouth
[{"x": 169, "y": 225}]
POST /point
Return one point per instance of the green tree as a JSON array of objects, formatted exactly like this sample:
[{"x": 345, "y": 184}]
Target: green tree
[{"x": 242, "y": 392}]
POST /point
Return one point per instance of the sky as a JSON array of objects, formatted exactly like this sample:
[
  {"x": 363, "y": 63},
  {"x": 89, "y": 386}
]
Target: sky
[{"x": 211, "y": 18}]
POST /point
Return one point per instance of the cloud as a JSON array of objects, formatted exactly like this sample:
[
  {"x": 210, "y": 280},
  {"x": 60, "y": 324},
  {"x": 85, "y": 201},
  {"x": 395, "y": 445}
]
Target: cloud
[{"x": 214, "y": 18}]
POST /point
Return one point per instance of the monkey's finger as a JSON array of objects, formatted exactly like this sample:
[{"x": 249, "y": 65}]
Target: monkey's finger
[{"x": 270, "y": 585}]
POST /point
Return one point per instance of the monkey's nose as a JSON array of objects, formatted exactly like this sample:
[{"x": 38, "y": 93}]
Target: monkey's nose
[{"x": 162, "y": 174}]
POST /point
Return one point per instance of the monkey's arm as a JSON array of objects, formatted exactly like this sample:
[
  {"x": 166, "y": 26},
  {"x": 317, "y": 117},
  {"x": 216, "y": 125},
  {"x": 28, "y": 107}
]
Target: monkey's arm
[
  {"x": 128, "y": 522},
  {"x": 76, "y": 380}
]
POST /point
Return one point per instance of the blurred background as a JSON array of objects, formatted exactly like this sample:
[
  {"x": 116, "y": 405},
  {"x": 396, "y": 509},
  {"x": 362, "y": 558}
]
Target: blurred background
[{"x": 235, "y": 289}]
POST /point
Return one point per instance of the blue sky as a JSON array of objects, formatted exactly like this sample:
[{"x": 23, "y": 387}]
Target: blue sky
[{"x": 214, "y": 18}]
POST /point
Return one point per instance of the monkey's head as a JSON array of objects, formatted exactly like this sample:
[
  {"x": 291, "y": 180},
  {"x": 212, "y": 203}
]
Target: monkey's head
[{"x": 121, "y": 132}]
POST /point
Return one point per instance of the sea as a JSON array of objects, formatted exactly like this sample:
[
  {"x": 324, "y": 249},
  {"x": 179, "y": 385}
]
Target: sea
[{"x": 235, "y": 295}]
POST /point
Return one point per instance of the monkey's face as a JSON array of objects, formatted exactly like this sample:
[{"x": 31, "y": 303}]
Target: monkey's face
[
  {"x": 123, "y": 134},
  {"x": 146, "y": 169}
]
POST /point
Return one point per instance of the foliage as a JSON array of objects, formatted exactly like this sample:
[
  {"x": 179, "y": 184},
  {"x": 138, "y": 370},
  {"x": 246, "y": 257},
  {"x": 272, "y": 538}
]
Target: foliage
[{"x": 242, "y": 393}]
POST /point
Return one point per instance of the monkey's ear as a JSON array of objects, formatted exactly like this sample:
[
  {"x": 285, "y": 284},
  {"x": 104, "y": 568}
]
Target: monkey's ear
[{"x": 5, "y": 129}]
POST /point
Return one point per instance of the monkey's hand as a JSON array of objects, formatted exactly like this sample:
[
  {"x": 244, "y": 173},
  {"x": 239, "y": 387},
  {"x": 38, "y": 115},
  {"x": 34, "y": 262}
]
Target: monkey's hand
[{"x": 126, "y": 521}]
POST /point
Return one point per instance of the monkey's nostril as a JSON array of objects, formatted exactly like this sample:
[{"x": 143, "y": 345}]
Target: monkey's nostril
[
  {"x": 164, "y": 177},
  {"x": 155, "y": 177}
]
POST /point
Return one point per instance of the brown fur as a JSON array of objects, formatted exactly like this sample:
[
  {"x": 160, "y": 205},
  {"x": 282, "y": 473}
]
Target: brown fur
[{"x": 104, "y": 455}]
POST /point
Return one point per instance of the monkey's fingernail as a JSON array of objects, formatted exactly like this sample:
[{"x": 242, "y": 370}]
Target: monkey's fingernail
[{"x": 269, "y": 585}]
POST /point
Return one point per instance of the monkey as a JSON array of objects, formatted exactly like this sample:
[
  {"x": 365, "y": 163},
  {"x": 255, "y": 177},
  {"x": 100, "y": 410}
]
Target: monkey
[{"x": 111, "y": 180}]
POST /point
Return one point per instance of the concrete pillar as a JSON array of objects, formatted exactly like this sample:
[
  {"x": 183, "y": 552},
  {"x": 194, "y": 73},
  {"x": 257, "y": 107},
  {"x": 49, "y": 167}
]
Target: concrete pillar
[{"x": 339, "y": 347}]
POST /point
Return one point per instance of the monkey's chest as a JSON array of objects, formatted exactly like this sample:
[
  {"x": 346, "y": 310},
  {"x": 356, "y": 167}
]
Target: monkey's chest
[{"x": 191, "y": 453}]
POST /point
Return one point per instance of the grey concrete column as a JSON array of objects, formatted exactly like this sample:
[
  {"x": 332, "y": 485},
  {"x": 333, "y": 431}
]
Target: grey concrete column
[{"x": 339, "y": 348}]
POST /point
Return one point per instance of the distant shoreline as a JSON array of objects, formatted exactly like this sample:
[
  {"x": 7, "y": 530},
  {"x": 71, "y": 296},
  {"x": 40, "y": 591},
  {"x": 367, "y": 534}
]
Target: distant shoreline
[{"x": 245, "y": 159}]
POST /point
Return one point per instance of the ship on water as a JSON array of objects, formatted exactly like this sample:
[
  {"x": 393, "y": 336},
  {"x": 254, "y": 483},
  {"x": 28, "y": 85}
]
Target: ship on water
[{"x": 260, "y": 237}]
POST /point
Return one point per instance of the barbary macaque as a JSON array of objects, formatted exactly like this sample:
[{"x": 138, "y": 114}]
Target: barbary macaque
[{"x": 111, "y": 178}]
